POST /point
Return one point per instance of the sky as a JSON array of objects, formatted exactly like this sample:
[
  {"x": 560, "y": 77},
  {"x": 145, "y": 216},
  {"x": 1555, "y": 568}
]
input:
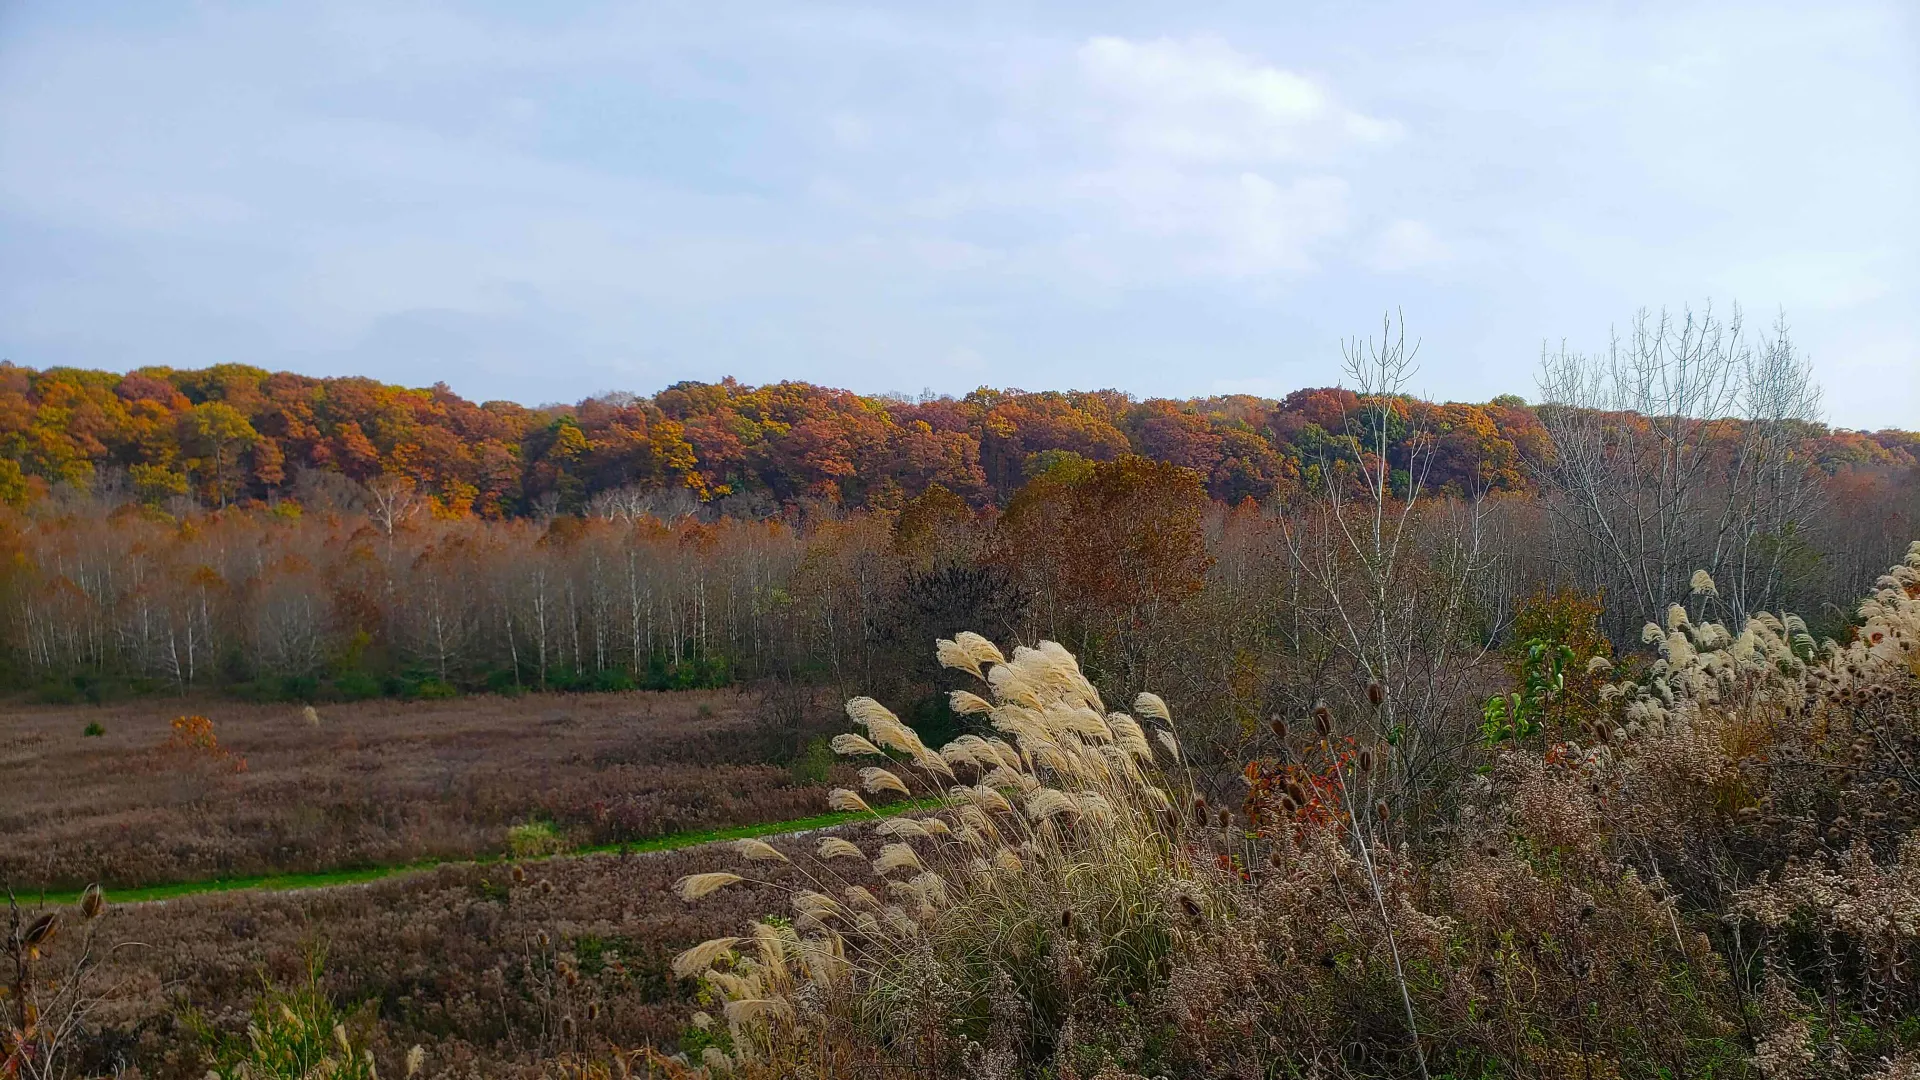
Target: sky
[{"x": 542, "y": 202}]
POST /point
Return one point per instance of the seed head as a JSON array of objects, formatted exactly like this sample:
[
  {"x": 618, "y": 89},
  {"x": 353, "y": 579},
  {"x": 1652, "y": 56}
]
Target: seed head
[
  {"x": 92, "y": 902},
  {"x": 1279, "y": 727},
  {"x": 1380, "y": 809},
  {"x": 1066, "y": 919},
  {"x": 1323, "y": 718},
  {"x": 41, "y": 930},
  {"x": 1366, "y": 760},
  {"x": 519, "y": 874},
  {"x": 1376, "y": 693},
  {"x": 1200, "y": 807},
  {"x": 1188, "y": 905},
  {"x": 1226, "y": 818}
]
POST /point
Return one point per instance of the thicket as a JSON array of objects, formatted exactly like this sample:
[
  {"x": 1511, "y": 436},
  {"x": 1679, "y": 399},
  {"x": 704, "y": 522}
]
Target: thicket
[{"x": 1708, "y": 867}]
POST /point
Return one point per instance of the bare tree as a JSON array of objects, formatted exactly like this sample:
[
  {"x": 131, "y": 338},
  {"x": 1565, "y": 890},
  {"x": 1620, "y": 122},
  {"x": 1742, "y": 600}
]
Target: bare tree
[
  {"x": 1678, "y": 450},
  {"x": 392, "y": 501},
  {"x": 635, "y": 501},
  {"x": 1387, "y": 571}
]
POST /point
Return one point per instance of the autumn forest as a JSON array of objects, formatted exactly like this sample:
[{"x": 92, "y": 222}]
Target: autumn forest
[{"x": 280, "y": 535}]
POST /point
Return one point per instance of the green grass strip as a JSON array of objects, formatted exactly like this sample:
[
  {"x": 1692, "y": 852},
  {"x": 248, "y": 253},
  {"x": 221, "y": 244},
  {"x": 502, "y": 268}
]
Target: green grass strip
[{"x": 320, "y": 879}]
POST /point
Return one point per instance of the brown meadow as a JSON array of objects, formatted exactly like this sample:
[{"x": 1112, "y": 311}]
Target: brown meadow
[
  {"x": 463, "y": 959},
  {"x": 369, "y": 783}
]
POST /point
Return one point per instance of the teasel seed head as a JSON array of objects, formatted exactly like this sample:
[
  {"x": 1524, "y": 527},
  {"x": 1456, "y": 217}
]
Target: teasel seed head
[
  {"x": 1066, "y": 919},
  {"x": 1366, "y": 760},
  {"x": 1200, "y": 808},
  {"x": 1279, "y": 727},
  {"x": 593, "y": 1011},
  {"x": 1226, "y": 818},
  {"x": 1288, "y": 804},
  {"x": 519, "y": 874},
  {"x": 1380, "y": 809},
  {"x": 41, "y": 930},
  {"x": 92, "y": 902},
  {"x": 1190, "y": 906},
  {"x": 546, "y": 887},
  {"x": 1323, "y": 718},
  {"x": 1376, "y": 693}
]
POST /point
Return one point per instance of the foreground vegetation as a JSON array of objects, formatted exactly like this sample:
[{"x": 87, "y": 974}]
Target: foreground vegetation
[
  {"x": 1709, "y": 867},
  {"x": 1697, "y": 860}
]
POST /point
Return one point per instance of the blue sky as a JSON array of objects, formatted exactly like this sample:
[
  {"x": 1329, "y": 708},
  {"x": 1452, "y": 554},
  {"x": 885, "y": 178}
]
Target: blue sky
[{"x": 1168, "y": 199}]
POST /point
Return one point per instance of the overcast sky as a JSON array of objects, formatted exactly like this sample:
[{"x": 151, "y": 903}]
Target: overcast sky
[{"x": 1170, "y": 199}]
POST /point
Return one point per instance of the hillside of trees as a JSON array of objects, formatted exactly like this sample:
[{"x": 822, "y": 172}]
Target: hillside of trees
[
  {"x": 232, "y": 435},
  {"x": 288, "y": 536}
]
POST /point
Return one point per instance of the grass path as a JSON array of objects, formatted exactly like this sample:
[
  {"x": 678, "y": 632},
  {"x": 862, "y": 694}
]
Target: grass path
[{"x": 321, "y": 879}]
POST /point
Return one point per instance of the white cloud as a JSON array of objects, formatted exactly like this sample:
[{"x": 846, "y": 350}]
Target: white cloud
[
  {"x": 1201, "y": 101},
  {"x": 1222, "y": 165},
  {"x": 1406, "y": 245}
]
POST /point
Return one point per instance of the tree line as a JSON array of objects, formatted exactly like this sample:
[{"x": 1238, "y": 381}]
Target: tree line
[
  {"x": 233, "y": 435},
  {"x": 1376, "y": 565}
]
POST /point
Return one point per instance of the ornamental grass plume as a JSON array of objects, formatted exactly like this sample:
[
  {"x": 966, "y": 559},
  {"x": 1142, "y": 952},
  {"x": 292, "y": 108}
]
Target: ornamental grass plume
[
  {"x": 1725, "y": 841},
  {"x": 1058, "y": 822}
]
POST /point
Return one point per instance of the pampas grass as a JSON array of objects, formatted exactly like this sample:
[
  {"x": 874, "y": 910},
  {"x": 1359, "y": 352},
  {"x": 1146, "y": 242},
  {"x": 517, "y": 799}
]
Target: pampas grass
[
  {"x": 833, "y": 847},
  {"x": 699, "y": 886},
  {"x": 1064, "y": 807}
]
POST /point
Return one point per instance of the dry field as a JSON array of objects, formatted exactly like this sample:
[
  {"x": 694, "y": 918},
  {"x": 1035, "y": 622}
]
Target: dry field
[
  {"x": 371, "y": 783},
  {"x": 452, "y": 958}
]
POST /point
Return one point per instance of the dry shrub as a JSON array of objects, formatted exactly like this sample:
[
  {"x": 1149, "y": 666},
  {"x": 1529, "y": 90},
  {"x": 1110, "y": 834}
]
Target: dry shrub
[
  {"x": 53, "y": 985},
  {"x": 1716, "y": 878},
  {"x": 1072, "y": 907},
  {"x": 192, "y": 739},
  {"x": 1770, "y": 783}
]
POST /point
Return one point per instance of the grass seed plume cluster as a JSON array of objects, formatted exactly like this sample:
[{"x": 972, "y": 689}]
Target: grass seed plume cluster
[{"x": 1709, "y": 868}]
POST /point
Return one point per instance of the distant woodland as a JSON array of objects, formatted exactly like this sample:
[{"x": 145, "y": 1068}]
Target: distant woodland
[{"x": 272, "y": 533}]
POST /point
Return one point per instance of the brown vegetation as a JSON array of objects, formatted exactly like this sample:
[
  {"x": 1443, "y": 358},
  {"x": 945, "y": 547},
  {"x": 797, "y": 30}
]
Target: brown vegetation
[
  {"x": 1708, "y": 870},
  {"x": 157, "y": 798},
  {"x": 495, "y": 973}
]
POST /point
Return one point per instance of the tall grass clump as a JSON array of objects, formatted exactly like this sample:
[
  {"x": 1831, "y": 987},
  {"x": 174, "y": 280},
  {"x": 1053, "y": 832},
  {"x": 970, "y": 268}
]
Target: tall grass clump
[
  {"x": 1068, "y": 905},
  {"x": 1061, "y": 851},
  {"x": 1704, "y": 863}
]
